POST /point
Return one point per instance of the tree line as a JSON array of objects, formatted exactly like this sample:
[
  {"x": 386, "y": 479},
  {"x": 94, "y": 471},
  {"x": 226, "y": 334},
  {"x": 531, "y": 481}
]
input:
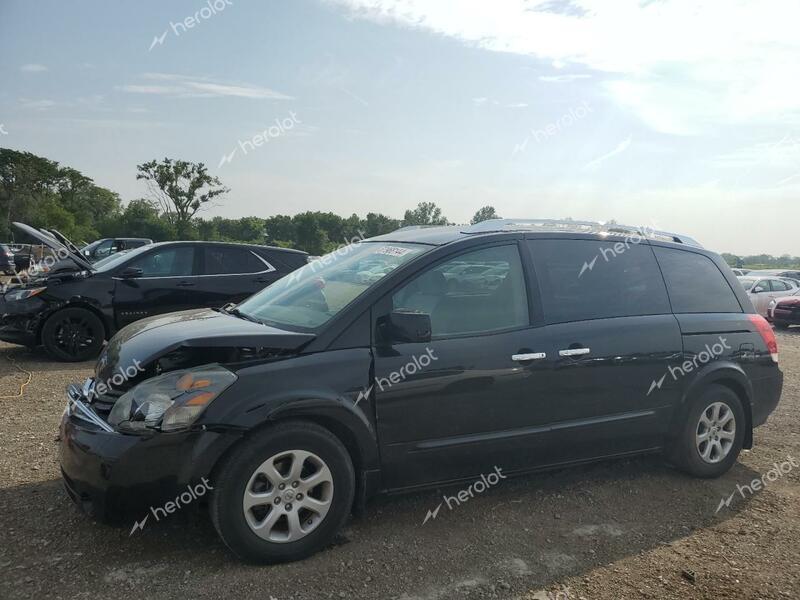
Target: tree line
[{"x": 40, "y": 192}]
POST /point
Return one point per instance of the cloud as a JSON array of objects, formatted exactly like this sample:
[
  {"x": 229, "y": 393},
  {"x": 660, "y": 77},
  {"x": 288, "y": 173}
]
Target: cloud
[
  {"x": 36, "y": 104},
  {"x": 184, "y": 86},
  {"x": 33, "y": 68},
  {"x": 619, "y": 149},
  {"x": 566, "y": 78},
  {"x": 731, "y": 63}
]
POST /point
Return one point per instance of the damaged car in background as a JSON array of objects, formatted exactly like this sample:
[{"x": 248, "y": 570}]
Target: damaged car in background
[{"x": 74, "y": 306}]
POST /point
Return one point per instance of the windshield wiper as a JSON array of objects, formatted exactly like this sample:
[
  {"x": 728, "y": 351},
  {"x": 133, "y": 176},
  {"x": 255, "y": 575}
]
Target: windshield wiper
[{"x": 237, "y": 313}]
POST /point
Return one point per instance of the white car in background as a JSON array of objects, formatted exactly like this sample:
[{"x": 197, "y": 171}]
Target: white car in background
[{"x": 764, "y": 290}]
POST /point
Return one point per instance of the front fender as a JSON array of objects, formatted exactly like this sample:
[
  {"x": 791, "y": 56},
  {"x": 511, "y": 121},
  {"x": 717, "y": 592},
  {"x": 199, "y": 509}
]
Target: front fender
[{"x": 327, "y": 388}]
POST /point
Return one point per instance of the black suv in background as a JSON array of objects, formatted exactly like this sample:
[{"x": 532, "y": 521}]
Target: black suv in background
[
  {"x": 418, "y": 358},
  {"x": 76, "y": 305}
]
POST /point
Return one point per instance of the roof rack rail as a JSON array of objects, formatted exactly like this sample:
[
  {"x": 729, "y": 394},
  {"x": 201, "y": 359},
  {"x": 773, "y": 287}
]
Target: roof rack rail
[{"x": 566, "y": 225}]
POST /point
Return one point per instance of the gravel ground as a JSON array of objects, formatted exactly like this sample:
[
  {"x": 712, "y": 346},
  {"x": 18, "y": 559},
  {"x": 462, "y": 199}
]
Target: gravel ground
[{"x": 624, "y": 529}]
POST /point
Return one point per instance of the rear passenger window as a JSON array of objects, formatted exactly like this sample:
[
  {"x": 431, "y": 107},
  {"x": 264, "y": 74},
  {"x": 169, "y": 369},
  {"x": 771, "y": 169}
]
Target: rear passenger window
[
  {"x": 695, "y": 283},
  {"x": 779, "y": 286},
  {"x": 584, "y": 279},
  {"x": 231, "y": 261}
]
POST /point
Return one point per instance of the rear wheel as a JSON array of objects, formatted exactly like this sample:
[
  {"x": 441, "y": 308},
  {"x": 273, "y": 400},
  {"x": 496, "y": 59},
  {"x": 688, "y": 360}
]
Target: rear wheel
[
  {"x": 713, "y": 433},
  {"x": 73, "y": 334},
  {"x": 780, "y": 325},
  {"x": 283, "y": 494}
]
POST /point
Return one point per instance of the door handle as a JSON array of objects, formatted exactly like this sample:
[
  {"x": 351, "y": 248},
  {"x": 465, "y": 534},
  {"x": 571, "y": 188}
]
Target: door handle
[
  {"x": 185, "y": 284},
  {"x": 529, "y": 356},
  {"x": 574, "y": 351}
]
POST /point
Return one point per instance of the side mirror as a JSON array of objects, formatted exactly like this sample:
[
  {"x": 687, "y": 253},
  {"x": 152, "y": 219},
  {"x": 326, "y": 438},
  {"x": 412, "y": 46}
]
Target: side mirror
[
  {"x": 408, "y": 327},
  {"x": 758, "y": 289},
  {"x": 131, "y": 273}
]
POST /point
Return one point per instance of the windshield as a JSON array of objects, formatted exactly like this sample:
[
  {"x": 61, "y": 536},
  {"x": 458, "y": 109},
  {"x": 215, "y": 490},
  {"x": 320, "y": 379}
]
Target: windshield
[
  {"x": 111, "y": 259},
  {"x": 747, "y": 282},
  {"x": 309, "y": 297},
  {"x": 114, "y": 260}
]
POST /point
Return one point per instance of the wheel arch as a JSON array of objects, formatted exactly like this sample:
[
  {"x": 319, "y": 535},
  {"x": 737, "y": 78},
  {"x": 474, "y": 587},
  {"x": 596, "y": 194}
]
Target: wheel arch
[
  {"x": 726, "y": 374},
  {"x": 348, "y": 424},
  {"x": 75, "y": 303}
]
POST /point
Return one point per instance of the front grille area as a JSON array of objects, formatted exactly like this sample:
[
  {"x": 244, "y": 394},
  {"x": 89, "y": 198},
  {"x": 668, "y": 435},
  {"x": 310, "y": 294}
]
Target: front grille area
[{"x": 102, "y": 404}]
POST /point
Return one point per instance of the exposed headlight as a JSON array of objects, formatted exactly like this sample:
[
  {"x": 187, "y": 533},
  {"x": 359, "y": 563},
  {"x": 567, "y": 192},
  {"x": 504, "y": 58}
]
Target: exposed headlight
[
  {"x": 171, "y": 401},
  {"x": 15, "y": 295}
]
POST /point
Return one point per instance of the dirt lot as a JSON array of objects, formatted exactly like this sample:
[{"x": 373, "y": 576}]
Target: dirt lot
[{"x": 625, "y": 529}]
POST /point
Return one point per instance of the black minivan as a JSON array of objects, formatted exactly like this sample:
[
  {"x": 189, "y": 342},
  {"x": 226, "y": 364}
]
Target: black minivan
[
  {"x": 423, "y": 357},
  {"x": 71, "y": 306}
]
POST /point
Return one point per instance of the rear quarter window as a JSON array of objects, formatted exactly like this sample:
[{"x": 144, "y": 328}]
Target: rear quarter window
[
  {"x": 585, "y": 279},
  {"x": 695, "y": 284}
]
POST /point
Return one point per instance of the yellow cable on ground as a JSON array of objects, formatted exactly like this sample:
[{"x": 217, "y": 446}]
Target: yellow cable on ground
[{"x": 22, "y": 386}]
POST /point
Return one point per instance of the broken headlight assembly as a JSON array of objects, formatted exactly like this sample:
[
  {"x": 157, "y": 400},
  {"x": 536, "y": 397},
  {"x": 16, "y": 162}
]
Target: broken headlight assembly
[{"x": 172, "y": 401}]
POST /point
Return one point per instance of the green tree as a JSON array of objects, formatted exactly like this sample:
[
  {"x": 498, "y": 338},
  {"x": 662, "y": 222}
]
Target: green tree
[
  {"x": 180, "y": 189},
  {"x": 426, "y": 213},
  {"x": 309, "y": 234},
  {"x": 378, "y": 224},
  {"x": 484, "y": 214}
]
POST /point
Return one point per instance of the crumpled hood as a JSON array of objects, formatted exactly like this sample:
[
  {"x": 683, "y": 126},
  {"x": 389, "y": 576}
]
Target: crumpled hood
[{"x": 204, "y": 335}]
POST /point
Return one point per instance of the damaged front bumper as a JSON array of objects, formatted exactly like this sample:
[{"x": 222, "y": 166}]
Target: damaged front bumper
[
  {"x": 109, "y": 474},
  {"x": 20, "y": 321}
]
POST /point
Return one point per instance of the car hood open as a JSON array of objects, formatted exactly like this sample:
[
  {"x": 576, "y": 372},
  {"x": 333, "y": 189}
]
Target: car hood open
[
  {"x": 63, "y": 250},
  {"x": 190, "y": 338}
]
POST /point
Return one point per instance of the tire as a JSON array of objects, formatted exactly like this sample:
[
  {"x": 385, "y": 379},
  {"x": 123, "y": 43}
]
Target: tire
[
  {"x": 73, "y": 335},
  {"x": 780, "y": 325},
  {"x": 688, "y": 450},
  {"x": 283, "y": 445}
]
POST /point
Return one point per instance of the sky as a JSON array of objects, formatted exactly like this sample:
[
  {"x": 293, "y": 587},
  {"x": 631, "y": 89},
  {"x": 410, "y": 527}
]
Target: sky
[{"x": 676, "y": 115}]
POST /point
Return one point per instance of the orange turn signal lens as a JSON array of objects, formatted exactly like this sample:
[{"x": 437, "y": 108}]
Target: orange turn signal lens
[{"x": 201, "y": 399}]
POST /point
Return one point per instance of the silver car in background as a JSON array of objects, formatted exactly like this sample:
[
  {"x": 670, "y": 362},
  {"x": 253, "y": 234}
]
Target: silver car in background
[{"x": 762, "y": 291}]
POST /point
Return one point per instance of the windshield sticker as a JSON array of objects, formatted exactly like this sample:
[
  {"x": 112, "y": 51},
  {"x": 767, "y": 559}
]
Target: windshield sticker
[{"x": 393, "y": 250}]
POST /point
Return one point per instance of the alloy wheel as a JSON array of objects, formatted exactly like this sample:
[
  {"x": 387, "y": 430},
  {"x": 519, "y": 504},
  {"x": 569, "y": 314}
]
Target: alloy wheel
[
  {"x": 74, "y": 335},
  {"x": 288, "y": 496},
  {"x": 716, "y": 432}
]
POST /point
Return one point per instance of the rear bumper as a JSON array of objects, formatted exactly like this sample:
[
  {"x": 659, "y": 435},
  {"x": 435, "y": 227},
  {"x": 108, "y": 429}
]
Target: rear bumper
[
  {"x": 109, "y": 475},
  {"x": 766, "y": 395}
]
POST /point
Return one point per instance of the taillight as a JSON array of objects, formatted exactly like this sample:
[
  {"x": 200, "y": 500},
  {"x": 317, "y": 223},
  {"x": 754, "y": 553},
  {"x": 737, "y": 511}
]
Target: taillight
[{"x": 765, "y": 329}]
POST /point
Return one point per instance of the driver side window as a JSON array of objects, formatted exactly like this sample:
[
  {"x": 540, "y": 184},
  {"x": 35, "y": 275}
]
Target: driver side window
[
  {"x": 476, "y": 292},
  {"x": 166, "y": 262}
]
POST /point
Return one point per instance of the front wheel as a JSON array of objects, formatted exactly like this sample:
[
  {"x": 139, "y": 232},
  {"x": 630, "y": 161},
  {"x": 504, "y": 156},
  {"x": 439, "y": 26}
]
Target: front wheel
[
  {"x": 713, "y": 433},
  {"x": 283, "y": 494},
  {"x": 73, "y": 335}
]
